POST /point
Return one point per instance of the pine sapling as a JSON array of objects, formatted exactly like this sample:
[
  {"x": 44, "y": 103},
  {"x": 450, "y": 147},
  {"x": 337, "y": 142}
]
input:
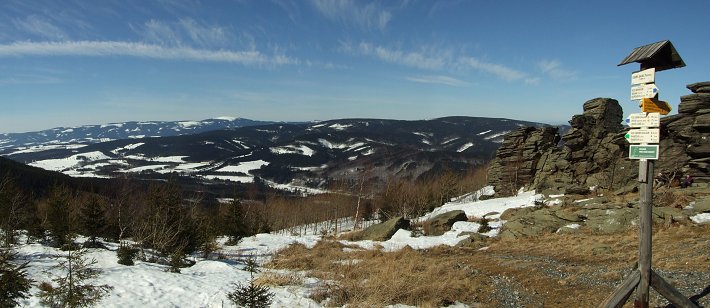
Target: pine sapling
[
  {"x": 126, "y": 254},
  {"x": 72, "y": 288},
  {"x": 251, "y": 295}
]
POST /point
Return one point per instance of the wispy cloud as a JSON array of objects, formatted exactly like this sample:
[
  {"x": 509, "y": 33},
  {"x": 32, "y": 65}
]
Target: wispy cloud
[
  {"x": 438, "y": 59},
  {"x": 553, "y": 68},
  {"x": 417, "y": 59},
  {"x": 438, "y": 79},
  {"x": 186, "y": 31},
  {"x": 498, "y": 70},
  {"x": 41, "y": 27},
  {"x": 353, "y": 13},
  {"x": 141, "y": 50}
]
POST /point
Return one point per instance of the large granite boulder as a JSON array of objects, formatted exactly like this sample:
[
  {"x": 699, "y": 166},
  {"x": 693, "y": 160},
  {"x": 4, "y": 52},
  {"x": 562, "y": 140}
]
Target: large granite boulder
[
  {"x": 443, "y": 222},
  {"x": 384, "y": 231}
]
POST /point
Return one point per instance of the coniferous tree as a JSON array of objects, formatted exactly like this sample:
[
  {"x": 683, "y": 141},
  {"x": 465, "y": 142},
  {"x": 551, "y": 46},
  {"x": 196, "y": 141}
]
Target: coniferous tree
[
  {"x": 126, "y": 253},
  {"x": 58, "y": 220},
  {"x": 92, "y": 219},
  {"x": 166, "y": 224},
  {"x": 72, "y": 290},
  {"x": 251, "y": 295},
  {"x": 14, "y": 284},
  {"x": 233, "y": 221}
]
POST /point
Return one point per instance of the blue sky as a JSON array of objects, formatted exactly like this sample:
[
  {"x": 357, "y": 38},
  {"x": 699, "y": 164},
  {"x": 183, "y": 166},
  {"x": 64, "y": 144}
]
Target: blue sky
[{"x": 66, "y": 63}]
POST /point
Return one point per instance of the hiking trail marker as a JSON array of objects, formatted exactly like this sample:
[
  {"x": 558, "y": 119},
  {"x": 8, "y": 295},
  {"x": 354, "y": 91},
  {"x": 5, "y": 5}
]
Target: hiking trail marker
[
  {"x": 653, "y": 58},
  {"x": 644, "y": 120}
]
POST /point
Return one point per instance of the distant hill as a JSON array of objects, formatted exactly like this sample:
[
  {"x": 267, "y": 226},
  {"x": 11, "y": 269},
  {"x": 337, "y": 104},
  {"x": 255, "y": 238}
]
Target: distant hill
[
  {"x": 62, "y": 136},
  {"x": 299, "y": 154}
]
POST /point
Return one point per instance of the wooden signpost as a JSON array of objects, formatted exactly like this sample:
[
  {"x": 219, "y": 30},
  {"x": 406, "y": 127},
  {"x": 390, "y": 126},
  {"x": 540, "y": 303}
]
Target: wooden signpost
[{"x": 653, "y": 57}]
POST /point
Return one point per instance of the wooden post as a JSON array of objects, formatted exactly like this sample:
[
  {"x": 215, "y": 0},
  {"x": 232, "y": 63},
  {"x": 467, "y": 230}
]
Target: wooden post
[{"x": 645, "y": 232}]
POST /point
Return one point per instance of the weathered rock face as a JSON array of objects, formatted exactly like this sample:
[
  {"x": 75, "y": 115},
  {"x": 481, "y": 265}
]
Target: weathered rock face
[
  {"x": 594, "y": 152},
  {"x": 685, "y": 137},
  {"x": 518, "y": 157}
]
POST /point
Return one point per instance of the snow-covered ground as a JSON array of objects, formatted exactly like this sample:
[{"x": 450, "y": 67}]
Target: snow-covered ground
[{"x": 207, "y": 283}]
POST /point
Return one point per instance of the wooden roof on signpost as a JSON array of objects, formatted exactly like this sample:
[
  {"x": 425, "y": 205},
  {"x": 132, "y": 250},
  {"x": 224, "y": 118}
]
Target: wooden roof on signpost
[{"x": 660, "y": 55}]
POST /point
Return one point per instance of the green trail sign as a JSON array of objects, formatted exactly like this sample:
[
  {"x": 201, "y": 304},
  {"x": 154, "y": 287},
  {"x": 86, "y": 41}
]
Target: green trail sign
[{"x": 643, "y": 151}]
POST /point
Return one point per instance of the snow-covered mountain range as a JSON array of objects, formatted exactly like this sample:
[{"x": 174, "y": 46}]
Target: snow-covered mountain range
[
  {"x": 302, "y": 154},
  {"x": 88, "y": 134}
]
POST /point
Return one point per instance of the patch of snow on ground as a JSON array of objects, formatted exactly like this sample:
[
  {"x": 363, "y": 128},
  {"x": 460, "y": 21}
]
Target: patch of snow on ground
[
  {"x": 186, "y": 124},
  {"x": 168, "y": 159},
  {"x": 346, "y": 146},
  {"x": 127, "y": 147},
  {"x": 40, "y": 148},
  {"x": 701, "y": 218},
  {"x": 449, "y": 140},
  {"x": 368, "y": 152},
  {"x": 244, "y": 167},
  {"x": 111, "y": 124},
  {"x": 481, "y": 208},
  {"x": 240, "y": 143},
  {"x": 227, "y": 118},
  {"x": 496, "y": 135},
  {"x": 464, "y": 147},
  {"x": 293, "y": 149},
  {"x": 145, "y": 168},
  {"x": 304, "y": 190},
  {"x": 232, "y": 178},
  {"x": 338, "y": 126},
  {"x": 61, "y": 164},
  {"x": 206, "y": 284}
]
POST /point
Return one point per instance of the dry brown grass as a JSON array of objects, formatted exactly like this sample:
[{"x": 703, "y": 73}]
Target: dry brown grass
[
  {"x": 279, "y": 279},
  {"x": 556, "y": 270}
]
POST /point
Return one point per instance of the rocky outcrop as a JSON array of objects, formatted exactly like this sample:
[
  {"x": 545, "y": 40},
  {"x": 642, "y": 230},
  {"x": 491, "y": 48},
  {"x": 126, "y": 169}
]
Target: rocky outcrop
[
  {"x": 605, "y": 218},
  {"x": 685, "y": 137},
  {"x": 594, "y": 152},
  {"x": 443, "y": 222},
  {"x": 517, "y": 158}
]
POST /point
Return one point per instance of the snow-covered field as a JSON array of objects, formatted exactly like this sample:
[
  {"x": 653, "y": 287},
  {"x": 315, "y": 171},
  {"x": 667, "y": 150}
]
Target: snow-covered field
[{"x": 207, "y": 283}]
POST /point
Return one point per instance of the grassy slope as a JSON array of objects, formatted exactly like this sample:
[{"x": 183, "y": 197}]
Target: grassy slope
[{"x": 556, "y": 270}]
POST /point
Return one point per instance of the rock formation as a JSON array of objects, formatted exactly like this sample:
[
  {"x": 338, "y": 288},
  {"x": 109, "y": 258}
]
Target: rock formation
[
  {"x": 518, "y": 156},
  {"x": 591, "y": 154},
  {"x": 685, "y": 137},
  {"x": 594, "y": 153}
]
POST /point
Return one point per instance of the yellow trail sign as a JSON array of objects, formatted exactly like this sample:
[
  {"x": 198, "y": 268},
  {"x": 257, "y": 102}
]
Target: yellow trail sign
[{"x": 654, "y": 105}]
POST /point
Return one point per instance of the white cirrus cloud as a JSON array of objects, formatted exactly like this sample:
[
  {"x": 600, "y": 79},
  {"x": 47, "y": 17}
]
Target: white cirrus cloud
[
  {"x": 417, "y": 59},
  {"x": 39, "y": 26},
  {"x": 353, "y": 13},
  {"x": 432, "y": 58},
  {"x": 499, "y": 70},
  {"x": 438, "y": 79},
  {"x": 186, "y": 31},
  {"x": 141, "y": 50},
  {"x": 553, "y": 68}
]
